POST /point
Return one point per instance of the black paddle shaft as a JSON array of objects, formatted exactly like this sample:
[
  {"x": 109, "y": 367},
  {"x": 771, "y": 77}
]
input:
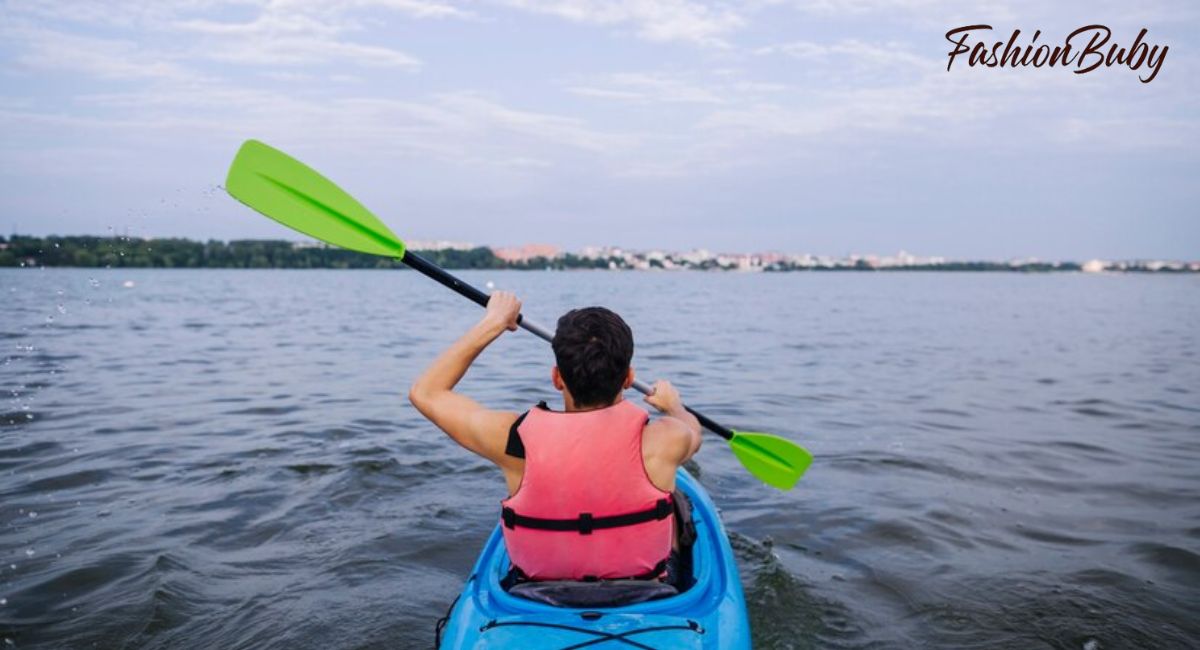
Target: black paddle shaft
[
  {"x": 431, "y": 270},
  {"x": 418, "y": 263}
]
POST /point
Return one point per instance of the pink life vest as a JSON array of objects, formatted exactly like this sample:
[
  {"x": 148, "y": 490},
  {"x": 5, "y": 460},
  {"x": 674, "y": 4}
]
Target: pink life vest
[{"x": 586, "y": 508}]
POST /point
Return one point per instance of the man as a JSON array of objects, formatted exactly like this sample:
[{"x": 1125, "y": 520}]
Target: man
[{"x": 590, "y": 487}]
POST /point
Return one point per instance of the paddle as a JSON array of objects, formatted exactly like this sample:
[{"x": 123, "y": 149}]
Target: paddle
[{"x": 295, "y": 195}]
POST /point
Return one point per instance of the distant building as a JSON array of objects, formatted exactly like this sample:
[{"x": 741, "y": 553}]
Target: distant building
[
  {"x": 1093, "y": 266},
  {"x": 439, "y": 245},
  {"x": 527, "y": 252},
  {"x": 695, "y": 257}
]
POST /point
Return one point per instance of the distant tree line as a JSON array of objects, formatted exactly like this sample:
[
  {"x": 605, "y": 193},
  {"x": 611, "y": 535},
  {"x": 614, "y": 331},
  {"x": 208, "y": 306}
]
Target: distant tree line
[
  {"x": 122, "y": 252},
  {"x": 133, "y": 252}
]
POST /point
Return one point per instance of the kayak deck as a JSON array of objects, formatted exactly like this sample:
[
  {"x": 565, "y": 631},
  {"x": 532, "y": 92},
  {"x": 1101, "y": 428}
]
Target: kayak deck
[{"x": 710, "y": 614}]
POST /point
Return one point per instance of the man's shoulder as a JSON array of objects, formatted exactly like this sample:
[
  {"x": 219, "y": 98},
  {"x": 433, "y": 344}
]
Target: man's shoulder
[{"x": 666, "y": 433}]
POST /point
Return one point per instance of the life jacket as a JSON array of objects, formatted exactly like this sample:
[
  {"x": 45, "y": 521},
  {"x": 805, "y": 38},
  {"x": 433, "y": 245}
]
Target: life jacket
[{"x": 585, "y": 509}]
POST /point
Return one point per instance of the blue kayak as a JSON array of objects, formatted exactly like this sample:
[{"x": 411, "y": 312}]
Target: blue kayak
[{"x": 710, "y": 613}]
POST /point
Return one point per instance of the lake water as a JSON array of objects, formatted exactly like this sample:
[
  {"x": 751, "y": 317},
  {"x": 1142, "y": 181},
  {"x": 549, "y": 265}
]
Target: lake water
[{"x": 225, "y": 459}]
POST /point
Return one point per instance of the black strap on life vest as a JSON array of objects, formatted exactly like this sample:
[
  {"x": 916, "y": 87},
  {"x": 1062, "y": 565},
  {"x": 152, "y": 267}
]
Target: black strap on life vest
[
  {"x": 514, "y": 447},
  {"x": 585, "y": 523}
]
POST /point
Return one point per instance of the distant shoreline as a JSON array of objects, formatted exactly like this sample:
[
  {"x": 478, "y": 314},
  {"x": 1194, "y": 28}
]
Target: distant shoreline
[{"x": 129, "y": 252}]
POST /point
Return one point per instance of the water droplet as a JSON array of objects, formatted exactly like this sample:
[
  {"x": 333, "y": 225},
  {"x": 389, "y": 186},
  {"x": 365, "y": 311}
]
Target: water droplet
[
  {"x": 94, "y": 282},
  {"x": 3, "y": 601},
  {"x": 32, "y": 515},
  {"x": 29, "y": 552}
]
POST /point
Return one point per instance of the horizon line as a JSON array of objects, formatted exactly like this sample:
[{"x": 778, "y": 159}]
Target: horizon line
[{"x": 582, "y": 251}]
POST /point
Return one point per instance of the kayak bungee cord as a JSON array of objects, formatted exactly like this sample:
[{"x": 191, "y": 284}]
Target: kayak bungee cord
[
  {"x": 440, "y": 626},
  {"x": 603, "y": 637},
  {"x": 710, "y": 613}
]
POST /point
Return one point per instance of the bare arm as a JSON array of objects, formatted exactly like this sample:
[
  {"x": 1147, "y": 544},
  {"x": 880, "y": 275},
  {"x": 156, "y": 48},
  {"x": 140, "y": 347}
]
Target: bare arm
[
  {"x": 479, "y": 429},
  {"x": 683, "y": 432}
]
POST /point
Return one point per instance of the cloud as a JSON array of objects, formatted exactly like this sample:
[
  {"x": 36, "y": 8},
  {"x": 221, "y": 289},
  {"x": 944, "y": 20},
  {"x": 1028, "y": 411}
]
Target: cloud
[
  {"x": 482, "y": 113},
  {"x": 853, "y": 51},
  {"x": 117, "y": 13},
  {"x": 297, "y": 50},
  {"x": 280, "y": 35},
  {"x": 921, "y": 11},
  {"x": 104, "y": 58},
  {"x": 453, "y": 127},
  {"x": 652, "y": 20},
  {"x": 417, "y": 8},
  {"x": 647, "y": 88},
  {"x": 162, "y": 37},
  {"x": 709, "y": 95}
]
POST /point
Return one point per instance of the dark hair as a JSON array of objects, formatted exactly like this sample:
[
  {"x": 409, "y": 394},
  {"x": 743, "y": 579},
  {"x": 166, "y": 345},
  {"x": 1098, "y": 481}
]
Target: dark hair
[{"x": 593, "y": 348}]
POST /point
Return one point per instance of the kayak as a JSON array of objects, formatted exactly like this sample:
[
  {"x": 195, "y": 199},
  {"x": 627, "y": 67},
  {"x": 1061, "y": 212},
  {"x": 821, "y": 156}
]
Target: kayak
[{"x": 710, "y": 613}]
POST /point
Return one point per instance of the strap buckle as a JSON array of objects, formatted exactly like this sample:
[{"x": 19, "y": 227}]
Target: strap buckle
[
  {"x": 509, "y": 517},
  {"x": 586, "y": 523}
]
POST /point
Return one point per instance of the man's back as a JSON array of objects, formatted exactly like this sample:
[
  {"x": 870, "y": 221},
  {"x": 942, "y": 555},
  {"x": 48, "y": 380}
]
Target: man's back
[
  {"x": 593, "y": 348},
  {"x": 585, "y": 507}
]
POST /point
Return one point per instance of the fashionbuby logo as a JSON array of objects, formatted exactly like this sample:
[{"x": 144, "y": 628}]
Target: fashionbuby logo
[{"x": 1087, "y": 49}]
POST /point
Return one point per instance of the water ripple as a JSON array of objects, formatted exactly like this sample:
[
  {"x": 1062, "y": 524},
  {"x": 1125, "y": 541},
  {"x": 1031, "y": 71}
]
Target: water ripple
[{"x": 226, "y": 459}]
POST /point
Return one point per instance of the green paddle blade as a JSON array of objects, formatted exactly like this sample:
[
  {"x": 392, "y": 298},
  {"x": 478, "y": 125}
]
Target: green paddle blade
[
  {"x": 292, "y": 193},
  {"x": 776, "y": 461}
]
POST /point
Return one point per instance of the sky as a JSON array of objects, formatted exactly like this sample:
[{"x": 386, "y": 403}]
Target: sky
[{"x": 820, "y": 126}]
